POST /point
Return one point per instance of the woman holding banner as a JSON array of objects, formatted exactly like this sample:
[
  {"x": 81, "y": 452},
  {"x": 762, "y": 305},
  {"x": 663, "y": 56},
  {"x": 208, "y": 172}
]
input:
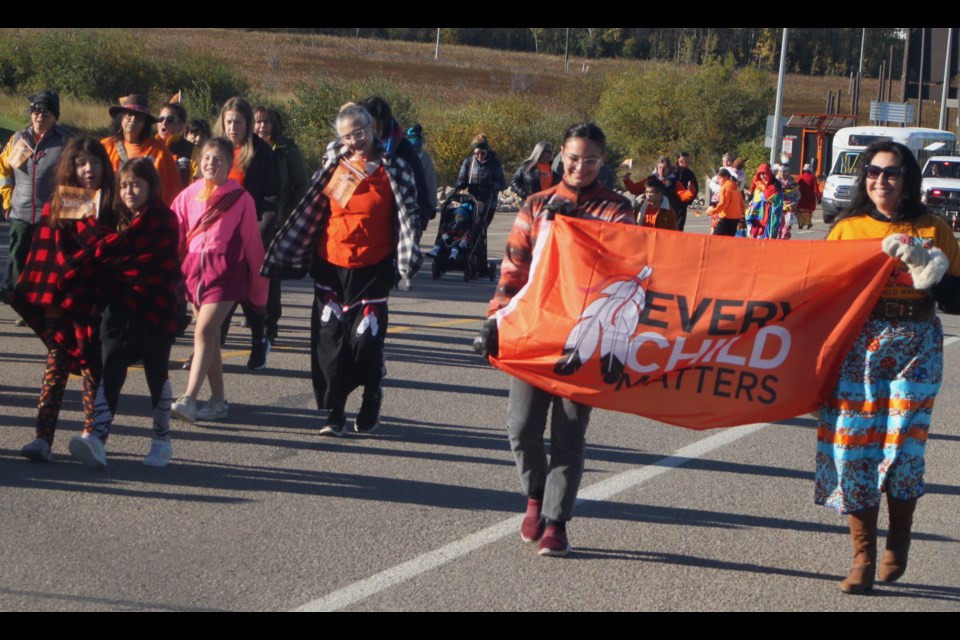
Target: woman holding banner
[
  {"x": 873, "y": 427},
  {"x": 551, "y": 488}
]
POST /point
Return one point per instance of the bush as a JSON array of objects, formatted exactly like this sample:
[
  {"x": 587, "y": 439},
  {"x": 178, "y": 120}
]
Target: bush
[
  {"x": 513, "y": 125},
  {"x": 103, "y": 65},
  {"x": 314, "y": 108},
  {"x": 206, "y": 84},
  {"x": 93, "y": 64},
  {"x": 708, "y": 112}
]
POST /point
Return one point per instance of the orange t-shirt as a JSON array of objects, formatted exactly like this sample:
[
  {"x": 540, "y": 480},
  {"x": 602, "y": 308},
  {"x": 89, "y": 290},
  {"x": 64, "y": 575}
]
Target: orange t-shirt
[
  {"x": 546, "y": 175},
  {"x": 361, "y": 234},
  {"x": 236, "y": 172}
]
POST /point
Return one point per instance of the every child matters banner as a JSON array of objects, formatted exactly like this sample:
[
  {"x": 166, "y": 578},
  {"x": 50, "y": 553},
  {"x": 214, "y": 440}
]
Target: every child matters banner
[{"x": 693, "y": 330}]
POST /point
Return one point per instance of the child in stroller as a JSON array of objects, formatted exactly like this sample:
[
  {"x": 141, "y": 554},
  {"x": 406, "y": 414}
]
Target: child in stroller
[{"x": 454, "y": 234}]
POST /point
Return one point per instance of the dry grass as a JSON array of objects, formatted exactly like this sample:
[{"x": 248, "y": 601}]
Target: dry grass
[
  {"x": 276, "y": 63},
  {"x": 83, "y": 116}
]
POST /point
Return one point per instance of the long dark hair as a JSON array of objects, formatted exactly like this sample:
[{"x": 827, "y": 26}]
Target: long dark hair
[
  {"x": 910, "y": 206},
  {"x": 118, "y": 127},
  {"x": 141, "y": 168},
  {"x": 66, "y": 176}
]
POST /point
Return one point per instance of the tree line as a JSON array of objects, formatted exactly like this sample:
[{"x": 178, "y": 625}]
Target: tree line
[{"x": 810, "y": 51}]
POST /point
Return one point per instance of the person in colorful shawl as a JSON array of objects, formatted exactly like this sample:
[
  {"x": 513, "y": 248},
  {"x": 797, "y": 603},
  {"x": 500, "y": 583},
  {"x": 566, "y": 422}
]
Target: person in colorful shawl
[
  {"x": 791, "y": 196},
  {"x": 764, "y": 216},
  {"x": 70, "y": 331},
  {"x": 223, "y": 253},
  {"x": 355, "y": 232},
  {"x": 872, "y": 431},
  {"x": 135, "y": 271}
]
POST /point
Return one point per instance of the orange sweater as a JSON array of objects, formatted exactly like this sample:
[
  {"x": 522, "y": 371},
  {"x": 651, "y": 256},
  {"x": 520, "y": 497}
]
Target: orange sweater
[{"x": 162, "y": 160}]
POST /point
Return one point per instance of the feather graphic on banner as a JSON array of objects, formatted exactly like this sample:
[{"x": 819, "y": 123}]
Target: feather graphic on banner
[{"x": 609, "y": 322}]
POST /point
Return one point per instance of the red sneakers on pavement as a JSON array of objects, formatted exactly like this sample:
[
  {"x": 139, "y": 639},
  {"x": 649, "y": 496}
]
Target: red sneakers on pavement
[
  {"x": 532, "y": 528},
  {"x": 554, "y": 541}
]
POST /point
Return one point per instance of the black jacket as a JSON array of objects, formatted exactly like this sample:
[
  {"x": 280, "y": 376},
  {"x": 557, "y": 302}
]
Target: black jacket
[
  {"x": 526, "y": 183},
  {"x": 262, "y": 180}
]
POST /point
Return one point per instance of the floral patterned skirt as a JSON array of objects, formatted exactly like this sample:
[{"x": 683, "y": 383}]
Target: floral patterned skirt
[{"x": 873, "y": 428}]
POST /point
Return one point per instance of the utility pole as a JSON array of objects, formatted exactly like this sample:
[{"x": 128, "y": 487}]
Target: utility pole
[
  {"x": 777, "y": 131},
  {"x": 946, "y": 81},
  {"x": 436, "y": 54}
]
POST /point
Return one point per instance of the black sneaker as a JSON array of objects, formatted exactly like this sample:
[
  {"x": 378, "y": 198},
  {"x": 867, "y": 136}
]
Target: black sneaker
[
  {"x": 271, "y": 335},
  {"x": 368, "y": 418},
  {"x": 258, "y": 355},
  {"x": 335, "y": 424}
]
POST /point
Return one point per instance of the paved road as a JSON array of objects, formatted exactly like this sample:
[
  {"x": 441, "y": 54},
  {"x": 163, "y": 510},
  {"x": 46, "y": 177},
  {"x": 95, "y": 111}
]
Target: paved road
[{"x": 259, "y": 513}]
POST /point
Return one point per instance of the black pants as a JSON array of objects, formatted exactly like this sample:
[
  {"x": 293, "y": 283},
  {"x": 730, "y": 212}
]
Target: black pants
[
  {"x": 259, "y": 319},
  {"x": 347, "y": 329},
  {"x": 681, "y": 217},
  {"x": 126, "y": 339},
  {"x": 726, "y": 227}
]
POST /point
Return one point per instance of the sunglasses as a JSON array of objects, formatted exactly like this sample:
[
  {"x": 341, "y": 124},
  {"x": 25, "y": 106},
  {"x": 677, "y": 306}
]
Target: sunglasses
[
  {"x": 891, "y": 173},
  {"x": 168, "y": 119},
  {"x": 46, "y": 113}
]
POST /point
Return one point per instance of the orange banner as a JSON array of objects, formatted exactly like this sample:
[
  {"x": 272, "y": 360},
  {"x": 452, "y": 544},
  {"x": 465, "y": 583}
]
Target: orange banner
[{"x": 693, "y": 330}]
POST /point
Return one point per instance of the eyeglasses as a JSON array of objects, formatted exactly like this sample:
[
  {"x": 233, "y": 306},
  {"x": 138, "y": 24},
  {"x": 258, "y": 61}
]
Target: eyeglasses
[
  {"x": 168, "y": 119},
  {"x": 354, "y": 136},
  {"x": 586, "y": 163},
  {"x": 891, "y": 173},
  {"x": 46, "y": 113}
]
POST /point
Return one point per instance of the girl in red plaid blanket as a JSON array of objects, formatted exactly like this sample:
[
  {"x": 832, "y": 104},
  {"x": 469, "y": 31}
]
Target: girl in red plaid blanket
[
  {"x": 132, "y": 274},
  {"x": 69, "y": 330}
]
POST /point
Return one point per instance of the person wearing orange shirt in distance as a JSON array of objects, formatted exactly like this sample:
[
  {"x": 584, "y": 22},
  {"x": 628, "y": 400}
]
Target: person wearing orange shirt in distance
[
  {"x": 131, "y": 139},
  {"x": 654, "y": 209},
  {"x": 729, "y": 210},
  {"x": 170, "y": 130}
]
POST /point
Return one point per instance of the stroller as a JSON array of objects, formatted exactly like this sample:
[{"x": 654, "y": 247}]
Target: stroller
[{"x": 461, "y": 243}]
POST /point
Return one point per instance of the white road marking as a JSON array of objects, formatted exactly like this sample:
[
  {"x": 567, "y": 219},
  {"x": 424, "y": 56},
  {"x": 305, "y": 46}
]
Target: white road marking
[{"x": 363, "y": 589}]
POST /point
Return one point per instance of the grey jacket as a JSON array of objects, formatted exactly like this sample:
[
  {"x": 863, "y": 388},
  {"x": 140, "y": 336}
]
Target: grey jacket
[{"x": 32, "y": 181}]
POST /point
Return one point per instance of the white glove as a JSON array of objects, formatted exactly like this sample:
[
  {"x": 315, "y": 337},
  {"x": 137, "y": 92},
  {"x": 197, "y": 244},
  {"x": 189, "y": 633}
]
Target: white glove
[{"x": 927, "y": 267}]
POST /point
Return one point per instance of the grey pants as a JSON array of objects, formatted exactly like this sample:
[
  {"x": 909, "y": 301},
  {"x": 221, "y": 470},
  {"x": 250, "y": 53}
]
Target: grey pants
[{"x": 558, "y": 481}]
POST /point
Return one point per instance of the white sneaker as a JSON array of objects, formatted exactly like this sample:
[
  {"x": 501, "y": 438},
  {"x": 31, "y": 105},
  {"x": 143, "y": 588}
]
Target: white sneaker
[
  {"x": 88, "y": 449},
  {"x": 37, "y": 451},
  {"x": 161, "y": 452},
  {"x": 184, "y": 408},
  {"x": 213, "y": 411}
]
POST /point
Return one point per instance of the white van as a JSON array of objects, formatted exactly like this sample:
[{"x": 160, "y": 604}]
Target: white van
[{"x": 849, "y": 142}]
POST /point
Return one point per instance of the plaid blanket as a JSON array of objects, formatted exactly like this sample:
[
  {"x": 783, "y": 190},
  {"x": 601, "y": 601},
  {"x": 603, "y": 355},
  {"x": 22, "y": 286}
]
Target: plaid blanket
[
  {"x": 39, "y": 289},
  {"x": 137, "y": 267},
  {"x": 291, "y": 252}
]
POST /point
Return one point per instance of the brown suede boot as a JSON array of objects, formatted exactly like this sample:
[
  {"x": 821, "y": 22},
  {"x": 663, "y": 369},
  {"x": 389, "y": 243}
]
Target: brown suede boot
[
  {"x": 863, "y": 531},
  {"x": 894, "y": 561}
]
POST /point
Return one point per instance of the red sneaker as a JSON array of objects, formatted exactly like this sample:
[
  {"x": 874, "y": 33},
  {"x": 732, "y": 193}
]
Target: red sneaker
[
  {"x": 554, "y": 541},
  {"x": 532, "y": 528}
]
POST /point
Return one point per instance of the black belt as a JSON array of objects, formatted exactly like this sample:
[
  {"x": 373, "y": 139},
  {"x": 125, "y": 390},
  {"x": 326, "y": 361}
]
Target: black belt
[{"x": 924, "y": 309}]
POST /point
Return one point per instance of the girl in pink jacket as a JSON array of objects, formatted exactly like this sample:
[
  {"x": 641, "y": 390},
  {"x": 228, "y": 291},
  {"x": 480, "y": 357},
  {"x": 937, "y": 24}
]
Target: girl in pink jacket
[{"x": 222, "y": 255}]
